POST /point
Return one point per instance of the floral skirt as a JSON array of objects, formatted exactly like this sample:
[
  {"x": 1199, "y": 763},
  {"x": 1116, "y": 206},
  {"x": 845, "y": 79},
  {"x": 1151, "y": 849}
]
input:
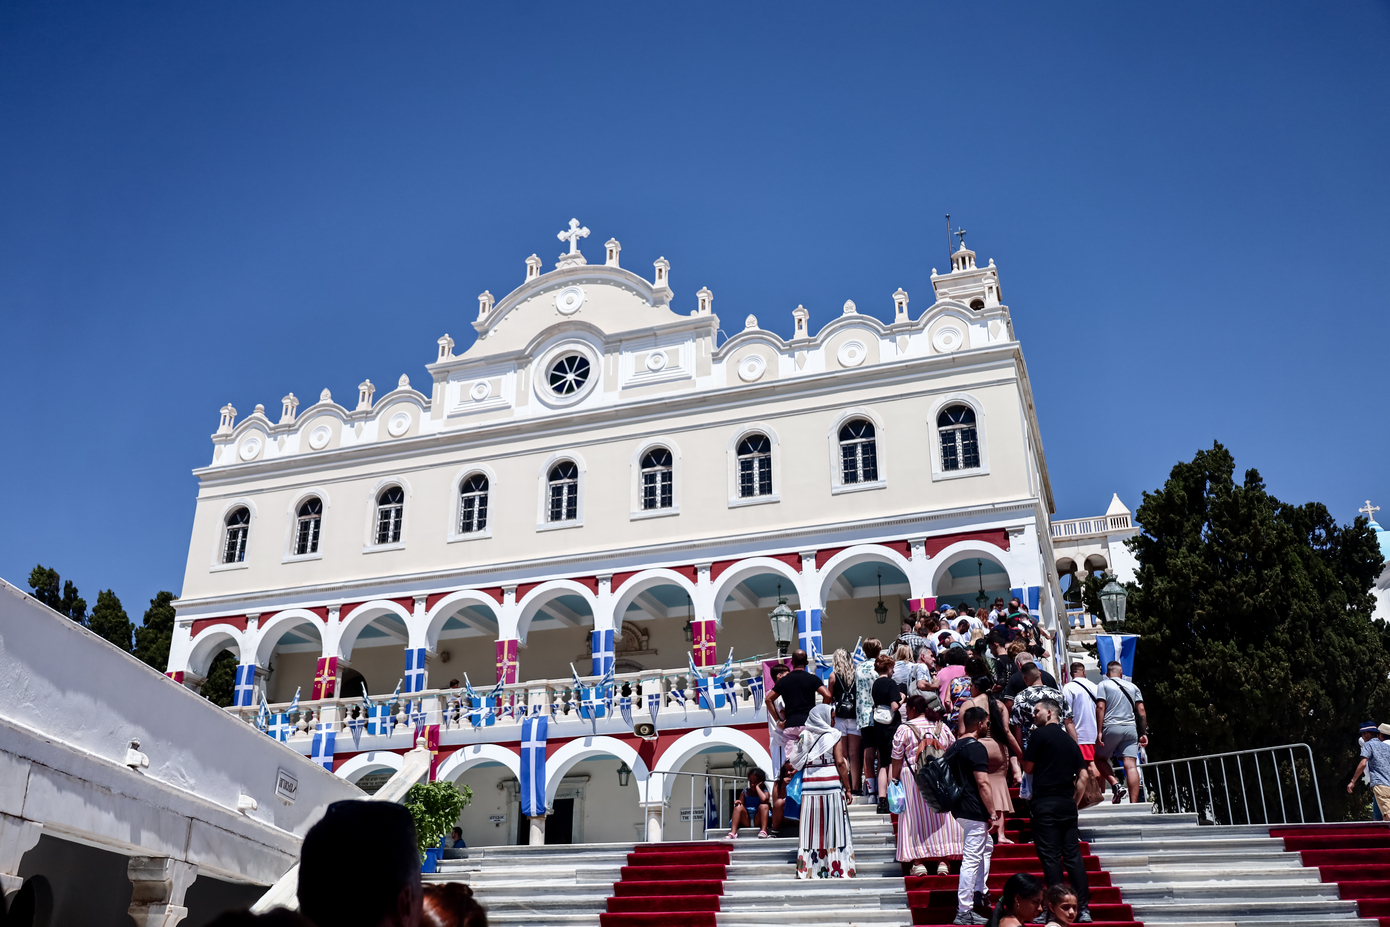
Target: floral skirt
[{"x": 826, "y": 849}]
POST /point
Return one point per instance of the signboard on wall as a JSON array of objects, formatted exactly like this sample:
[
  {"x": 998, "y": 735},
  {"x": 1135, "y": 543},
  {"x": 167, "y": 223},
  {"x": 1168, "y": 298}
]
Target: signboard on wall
[{"x": 286, "y": 787}]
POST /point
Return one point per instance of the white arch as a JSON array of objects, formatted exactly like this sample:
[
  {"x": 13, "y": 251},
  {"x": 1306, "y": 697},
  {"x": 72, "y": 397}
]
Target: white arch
[
  {"x": 969, "y": 550},
  {"x": 585, "y": 748},
  {"x": 270, "y": 632},
  {"x": 860, "y": 553},
  {"x": 537, "y": 597},
  {"x": 470, "y": 755},
  {"x": 688, "y": 745},
  {"x": 209, "y": 643},
  {"x": 648, "y": 579},
  {"x": 754, "y": 566},
  {"x": 363, "y": 763},
  {"x": 352, "y": 624},
  {"x": 446, "y": 607}
]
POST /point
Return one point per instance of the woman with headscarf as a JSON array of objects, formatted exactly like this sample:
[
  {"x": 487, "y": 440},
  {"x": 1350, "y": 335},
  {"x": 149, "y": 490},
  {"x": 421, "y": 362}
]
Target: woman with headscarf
[{"x": 825, "y": 849}]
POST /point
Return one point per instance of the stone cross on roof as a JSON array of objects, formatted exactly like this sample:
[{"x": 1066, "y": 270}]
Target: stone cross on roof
[
  {"x": 573, "y": 235},
  {"x": 1369, "y": 510},
  {"x": 960, "y": 233}
]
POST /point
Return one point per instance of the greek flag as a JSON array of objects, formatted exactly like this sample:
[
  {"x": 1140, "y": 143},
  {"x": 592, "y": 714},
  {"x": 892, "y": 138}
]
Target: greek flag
[
  {"x": 279, "y": 726},
  {"x": 1121, "y": 647},
  {"x": 603, "y": 652},
  {"x": 858, "y": 656},
  {"x": 825, "y": 666},
  {"x": 755, "y": 688},
  {"x": 808, "y": 636},
  {"x": 263, "y": 714},
  {"x": 705, "y": 686},
  {"x": 625, "y": 707},
  {"x": 1028, "y": 595},
  {"x": 533, "y": 736},
  {"x": 730, "y": 693},
  {"x": 245, "y": 682},
  {"x": 380, "y": 720},
  {"x": 654, "y": 701},
  {"x": 322, "y": 750},
  {"x": 294, "y": 703},
  {"x": 414, "y": 670}
]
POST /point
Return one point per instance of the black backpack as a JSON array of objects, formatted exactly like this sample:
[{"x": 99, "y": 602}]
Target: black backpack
[{"x": 940, "y": 784}]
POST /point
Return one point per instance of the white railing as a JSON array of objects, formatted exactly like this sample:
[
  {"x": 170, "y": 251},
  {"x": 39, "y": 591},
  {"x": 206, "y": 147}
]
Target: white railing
[
  {"x": 695, "y": 813},
  {"x": 1270, "y": 785},
  {"x": 452, "y": 709},
  {"x": 1085, "y": 527}
]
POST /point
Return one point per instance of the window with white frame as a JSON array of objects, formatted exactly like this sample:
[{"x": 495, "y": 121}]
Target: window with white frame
[
  {"x": 564, "y": 492},
  {"x": 473, "y": 504},
  {"x": 960, "y": 444},
  {"x": 754, "y": 466},
  {"x": 306, "y": 527},
  {"x": 858, "y": 452},
  {"x": 390, "y": 506},
  {"x": 238, "y": 525},
  {"x": 656, "y": 479}
]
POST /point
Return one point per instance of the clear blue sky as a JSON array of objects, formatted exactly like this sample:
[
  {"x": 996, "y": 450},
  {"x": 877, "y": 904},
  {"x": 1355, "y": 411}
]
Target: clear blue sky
[{"x": 204, "y": 203}]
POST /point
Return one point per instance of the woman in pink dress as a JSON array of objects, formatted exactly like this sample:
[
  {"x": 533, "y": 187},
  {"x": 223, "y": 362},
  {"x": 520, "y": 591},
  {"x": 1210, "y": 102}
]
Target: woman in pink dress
[{"x": 923, "y": 834}]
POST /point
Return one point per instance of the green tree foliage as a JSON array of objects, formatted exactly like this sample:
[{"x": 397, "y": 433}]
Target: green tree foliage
[
  {"x": 109, "y": 620},
  {"x": 44, "y": 582},
  {"x": 221, "y": 682},
  {"x": 152, "y": 640},
  {"x": 435, "y": 807},
  {"x": 1255, "y": 625}
]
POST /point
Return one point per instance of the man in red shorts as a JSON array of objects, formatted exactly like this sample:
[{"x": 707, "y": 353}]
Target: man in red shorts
[{"x": 1080, "y": 694}]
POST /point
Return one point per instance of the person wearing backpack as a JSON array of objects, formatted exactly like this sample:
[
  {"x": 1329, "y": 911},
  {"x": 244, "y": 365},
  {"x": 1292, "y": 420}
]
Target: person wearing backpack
[
  {"x": 923, "y": 834},
  {"x": 968, "y": 762},
  {"x": 1123, "y": 724},
  {"x": 844, "y": 697}
]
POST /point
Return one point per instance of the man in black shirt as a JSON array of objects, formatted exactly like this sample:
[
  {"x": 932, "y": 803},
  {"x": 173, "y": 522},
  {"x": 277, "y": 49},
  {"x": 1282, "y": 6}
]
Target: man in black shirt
[
  {"x": 1016, "y": 683},
  {"x": 1059, "y": 781},
  {"x": 970, "y": 763},
  {"x": 796, "y": 692}
]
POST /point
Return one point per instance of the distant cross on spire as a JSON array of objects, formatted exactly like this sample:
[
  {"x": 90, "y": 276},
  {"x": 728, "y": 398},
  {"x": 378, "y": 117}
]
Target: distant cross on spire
[
  {"x": 573, "y": 235},
  {"x": 1369, "y": 510},
  {"x": 960, "y": 233}
]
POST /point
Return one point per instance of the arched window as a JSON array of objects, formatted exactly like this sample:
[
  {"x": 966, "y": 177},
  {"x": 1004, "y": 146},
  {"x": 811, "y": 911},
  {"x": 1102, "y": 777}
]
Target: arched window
[
  {"x": 473, "y": 504},
  {"x": 238, "y": 525},
  {"x": 564, "y": 492},
  {"x": 306, "y": 529},
  {"x": 960, "y": 447},
  {"x": 656, "y": 479},
  {"x": 858, "y": 452},
  {"x": 754, "y": 466},
  {"x": 390, "y": 506}
]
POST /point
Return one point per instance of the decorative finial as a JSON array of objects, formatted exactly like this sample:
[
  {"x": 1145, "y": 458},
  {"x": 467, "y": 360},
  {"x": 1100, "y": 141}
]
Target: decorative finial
[
  {"x": 960, "y": 233},
  {"x": 1369, "y": 510},
  {"x": 403, "y": 382},
  {"x": 750, "y": 323},
  {"x": 850, "y": 308},
  {"x": 325, "y": 396}
]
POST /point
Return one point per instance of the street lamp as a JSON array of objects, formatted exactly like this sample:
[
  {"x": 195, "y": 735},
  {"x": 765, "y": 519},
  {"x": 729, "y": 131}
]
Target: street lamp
[
  {"x": 689, "y": 625},
  {"x": 880, "y": 613},
  {"x": 981, "y": 599},
  {"x": 783, "y": 623},
  {"x": 740, "y": 765},
  {"x": 624, "y": 775},
  {"x": 1112, "y": 598}
]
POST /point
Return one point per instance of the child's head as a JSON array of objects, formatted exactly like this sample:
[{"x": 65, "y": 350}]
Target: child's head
[
  {"x": 1022, "y": 897},
  {"x": 756, "y": 777},
  {"x": 788, "y": 770},
  {"x": 1061, "y": 901}
]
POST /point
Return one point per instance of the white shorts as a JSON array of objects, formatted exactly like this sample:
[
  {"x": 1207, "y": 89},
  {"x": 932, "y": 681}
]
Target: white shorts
[{"x": 847, "y": 726}]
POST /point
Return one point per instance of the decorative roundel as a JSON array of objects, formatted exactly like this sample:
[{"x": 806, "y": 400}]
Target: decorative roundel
[
  {"x": 948, "y": 338},
  {"x": 319, "y": 437},
  {"x": 250, "y": 448},
  {"x": 568, "y": 374},
  {"x": 656, "y": 361},
  {"x": 751, "y": 368},
  {"x": 399, "y": 424},
  {"x": 480, "y": 391},
  {"x": 569, "y": 300},
  {"x": 852, "y": 353}
]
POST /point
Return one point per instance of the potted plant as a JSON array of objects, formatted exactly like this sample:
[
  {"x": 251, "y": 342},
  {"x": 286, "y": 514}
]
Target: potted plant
[{"x": 435, "y": 807}]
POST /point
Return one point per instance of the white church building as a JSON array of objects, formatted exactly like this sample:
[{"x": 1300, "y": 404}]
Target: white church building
[{"x": 603, "y": 480}]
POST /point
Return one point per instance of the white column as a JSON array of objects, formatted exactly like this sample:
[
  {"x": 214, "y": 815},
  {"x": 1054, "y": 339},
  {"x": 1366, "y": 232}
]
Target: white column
[
  {"x": 605, "y": 602},
  {"x": 808, "y": 586},
  {"x": 918, "y": 570},
  {"x": 508, "y": 615},
  {"x": 703, "y": 599},
  {"x": 653, "y": 811},
  {"x": 537, "y": 830},
  {"x": 158, "y": 886}
]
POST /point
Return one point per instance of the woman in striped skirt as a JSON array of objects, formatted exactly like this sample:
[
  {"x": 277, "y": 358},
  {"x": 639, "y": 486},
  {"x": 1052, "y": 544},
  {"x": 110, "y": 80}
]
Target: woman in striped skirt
[
  {"x": 923, "y": 834},
  {"x": 825, "y": 849}
]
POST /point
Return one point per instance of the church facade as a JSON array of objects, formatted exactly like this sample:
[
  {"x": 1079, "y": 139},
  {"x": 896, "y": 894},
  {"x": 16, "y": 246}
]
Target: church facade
[{"x": 603, "y": 483}]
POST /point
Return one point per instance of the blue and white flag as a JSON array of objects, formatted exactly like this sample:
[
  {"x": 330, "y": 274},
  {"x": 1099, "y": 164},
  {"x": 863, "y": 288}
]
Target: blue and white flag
[
  {"x": 1028, "y": 595},
  {"x": 533, "y": 736},
  {"x": 808, "y": 636},
  {"x": 294, "y": 703},
  {"x": 824, "y": 667},
  {"x": 279, "y": 726},
  {"x": 858, "y": 656},
  {"x": 625, "y": 708},
  {"x": 1111, "y": 647},
  {"x": 414, "y": 670},
  {"x": 711, "y": 806},
  {"x": 730, "y": 692},
  {"x": 603, "y": 652},
  {"x": 755, "y": 688},
  {"x": 242, "y": 694},
  {"x": 322, "y": 749},
  {"x": 593, "y": 703},
  {"x": 654, "y": 702},
  {"x": 263, "y": 714},
  {"x": 380, "y": 720},
  {"x": 708, "y": 689}
]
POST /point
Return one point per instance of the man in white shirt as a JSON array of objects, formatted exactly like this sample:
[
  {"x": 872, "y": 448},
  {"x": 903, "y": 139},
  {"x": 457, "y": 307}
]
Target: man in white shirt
[{"x": 1081, "y": 699}]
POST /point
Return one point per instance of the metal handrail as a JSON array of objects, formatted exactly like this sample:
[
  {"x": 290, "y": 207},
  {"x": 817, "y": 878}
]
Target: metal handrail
[
  {"x": 1211, "y": 805},
  {"x": 719, "y": 792}
]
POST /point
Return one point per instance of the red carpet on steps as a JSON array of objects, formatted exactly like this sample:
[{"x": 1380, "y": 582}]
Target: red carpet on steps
[
  {"x": 669, "y": 885},
  {"x": 1355, "y": 856}
]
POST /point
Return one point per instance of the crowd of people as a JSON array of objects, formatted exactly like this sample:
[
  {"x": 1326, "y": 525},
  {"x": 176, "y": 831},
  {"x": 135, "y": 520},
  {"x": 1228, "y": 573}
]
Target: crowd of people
[{"x": 963, "y": 687}]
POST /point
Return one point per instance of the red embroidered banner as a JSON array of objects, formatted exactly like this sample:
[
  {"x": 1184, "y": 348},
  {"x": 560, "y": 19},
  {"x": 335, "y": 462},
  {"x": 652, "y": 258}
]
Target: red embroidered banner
[
  {"x": 704, "y": 647},
  {"x": 507, "y": 664},
  {"x": 325, "y": 678}
]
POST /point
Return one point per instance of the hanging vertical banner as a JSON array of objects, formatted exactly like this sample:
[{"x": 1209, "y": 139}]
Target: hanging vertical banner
[
  {"x": 1028, "y": 595},
  {"x": 705, "y": 641},
  {"x": 322, "y": 749},
  {"x": 1117, "y": 647},
  {"x": 245, "y": 682},
  {"x": 507, "y": 661},
  {"x": 432, "y": 745},
  {"x": 927, "y": 604},
  {"x": 808, "y": 637},
  {"x": 325, "y": 678},
  {"x": 176, "y": 675},
  {"x": 533, "y": 735},
  {"x": 603, "y": 653},
  {"x": 414, "y": 670}
]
